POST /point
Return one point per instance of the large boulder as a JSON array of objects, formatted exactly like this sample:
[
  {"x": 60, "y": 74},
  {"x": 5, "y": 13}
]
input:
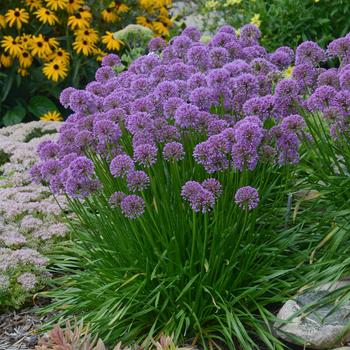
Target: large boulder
[{"x": 320, "y": 328}]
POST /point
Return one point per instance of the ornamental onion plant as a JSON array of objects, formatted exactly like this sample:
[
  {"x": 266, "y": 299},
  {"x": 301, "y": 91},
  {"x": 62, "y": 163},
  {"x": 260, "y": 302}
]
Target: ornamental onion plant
[{"x": 182, "y": 173}]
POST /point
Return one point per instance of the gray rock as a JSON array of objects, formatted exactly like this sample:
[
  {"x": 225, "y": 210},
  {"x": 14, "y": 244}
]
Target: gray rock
[{"x": 320, "y": 328}]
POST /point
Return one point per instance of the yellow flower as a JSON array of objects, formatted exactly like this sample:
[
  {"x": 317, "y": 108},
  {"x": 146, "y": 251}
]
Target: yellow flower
[
  {"x": 74, "y": 5},
  {"x": 40, "y": 47},
  {"x": 212, "y": 4},
  {"x": 287, "y": 73},
  {"x": 143, "y": 21},
  {"x": 17, "y": 16},
  {"x": 52, "y": 42},
  {"x": 33, "y": 4},
  {"x": 56, "y": 4},
  {"x": 2, "y": 21},
  {"x": 22, "y": 71},
  {"x": 77, "y": 21},
  {"x": 25, "y": 59},
  {"x": 25, "y": 40},
  {"x": 46, "y": 16},
  {"x": 232, "y": 2},
  {"x": 160, "y": 28},
  {"x": 52, "y": 116},
  {"x": 120, "y": 7},
  {"x": 11, "y": 46},
  {"x": 109, "y": 15},
  {"x": 100, "y": 54},
  {"x": 84, "y": 46},
  {"x": 60, "y": 55},
  {"x": 55, "y": 70},
  {"x": 88, "y": 34},
  {"x": 110, "y": 42},
  {"x": 6, "y": 60},
  {"x": 256, "y": 20}
]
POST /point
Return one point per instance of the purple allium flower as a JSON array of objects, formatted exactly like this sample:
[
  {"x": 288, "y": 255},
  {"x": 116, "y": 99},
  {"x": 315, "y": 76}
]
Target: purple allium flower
[
  {"x": 111, "y": 60},
  {"x": 196, "y": 80},
  {"x": 186, "y": 116},
  {"x": 247, "y": 198},
  {"x": 249, "y": 35},
  {"x": 244, "y": 157},
  {"x": 221, "y": 39},
  {"x": 202, "y": 97},
  {"x": 132, "y": 206},
  {"x": 227, "y": 29},
  {"x": 116, "y": 198},
  {"x": 216, "y": 126},
  {"x": 180, "y": 45},
  {"x": 139, "y": 122},
  {"x": 80, "y": 187},
  {"x": 192, "y": 32},
  {"x": 96, "y": 88},
  {"x": 218, "y": 57},
  {"x": 280, "y": 59},
  {"x": 105, "y": 73},
  {"x": 121, "y": 165},
  {"x": 342, "y": 102},
  {"x": 50, "y": 168},
  {"x": 305, "y": 75},
  {"x": 137, "y": 180},
  {"x": 65, "y": 96},
  {"x": 198, "y": 56},
  {"x": 81, "y": 167},
  {"x": 35, "y": 173},
  {"x": 248, "y": 134},
  {"x": 252, "y": 52},
  {"x": 322, "y": 98},
  {"x": 288, "y": 145},
  {"x": 107, "y": 131},
  {"x": 165, "y": 90},
  {"x": 200, "y": 199},
  {"x": 237, "y": 67},
  {"x": 329, "y": 77},
  {"x": 213, "y": 186},
  {"x": 27, "y": 280},
  {"x": 156, "y": 44},
  {"x": 217, "y": 78},
  {"x": 82, "y": 101},
  {"x": 48, "y": 150},
  {"x": 293, "y": 122},
  {"x": 340, "y": 47},
  {"x": 309, "y": 52},
  {"x": 262, "y": 107},
  {"x": 344, "y": 79},
  {"x": 173, "y": 151},
  {"x": 146, "y": 154}
]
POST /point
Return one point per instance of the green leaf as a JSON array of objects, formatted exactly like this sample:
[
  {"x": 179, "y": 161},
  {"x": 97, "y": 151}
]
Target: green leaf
[
  {"x": 39, "y": 105},
  {"x": 14, "y": 115}
]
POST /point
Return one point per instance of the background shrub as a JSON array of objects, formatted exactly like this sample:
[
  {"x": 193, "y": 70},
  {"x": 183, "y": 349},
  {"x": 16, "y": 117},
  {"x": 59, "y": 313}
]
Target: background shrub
[{"x": 284, "y": 22}]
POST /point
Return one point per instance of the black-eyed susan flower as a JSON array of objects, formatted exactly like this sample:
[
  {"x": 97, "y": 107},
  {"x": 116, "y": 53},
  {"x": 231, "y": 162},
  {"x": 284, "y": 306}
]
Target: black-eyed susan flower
[
  {"x": 143, "y": 21},
  {"x": 110, "y": 42},
  {"x": 160, "y": 28},
  {"x": 25, "y": 59},
  {"x": 84, "y": 46},
  {"x": 22, "y": 72},
  {"x": 45, "y": 15},
  {"x": 2, "y": 21},
  {"x": 33, "y": 4},
  {"x": 60, "y": 55},
  {"x": 100, "y": 54},
  {"x": 78, "y": 21},
  {"x": 11, "y": 45},
  {"x": 55, "y": 70},
  {"x": 52, "y": 42},
  {"x": 6, "y": 60},
  {"x": 74, "y": 5},
  {"x": 40, "y": 47},
  {"x": 109, "y": 15},
  {"x": 56, "y": 4},
  {"x": 120, "y": 7},
  {"x": 52, "y": 116},
  {"x": 25, "y": 40},
  {"x": 88, "y": 34},
  {"x": 17, "y": 17}
]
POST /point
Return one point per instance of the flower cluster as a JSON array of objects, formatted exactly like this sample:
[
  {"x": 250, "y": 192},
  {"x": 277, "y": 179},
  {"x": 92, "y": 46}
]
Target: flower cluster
[
  {"x": 32, "y": 31},
  {"x": 228, "y": 104},
  {"x": 30, "y": 220}
]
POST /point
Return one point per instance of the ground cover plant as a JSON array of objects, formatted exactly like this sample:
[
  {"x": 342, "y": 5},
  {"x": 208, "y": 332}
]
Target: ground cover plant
[
  {"x": 186, "y": 174},
  {"x": 50, "y": 44},
  {"x": 281, "y": 21},
  {"x": 30, "y": 219}
]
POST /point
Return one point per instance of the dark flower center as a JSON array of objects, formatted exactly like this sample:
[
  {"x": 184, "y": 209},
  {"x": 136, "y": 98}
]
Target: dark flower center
[
  {"x": 47, "y": 12},
  {"x": 56, "y": 66},
  {"x": 17, "y": 13},
  {"x": 40, "y": 44},
  {"x": 78, "y": 15},
  {"x": 25, "y": 54}
]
